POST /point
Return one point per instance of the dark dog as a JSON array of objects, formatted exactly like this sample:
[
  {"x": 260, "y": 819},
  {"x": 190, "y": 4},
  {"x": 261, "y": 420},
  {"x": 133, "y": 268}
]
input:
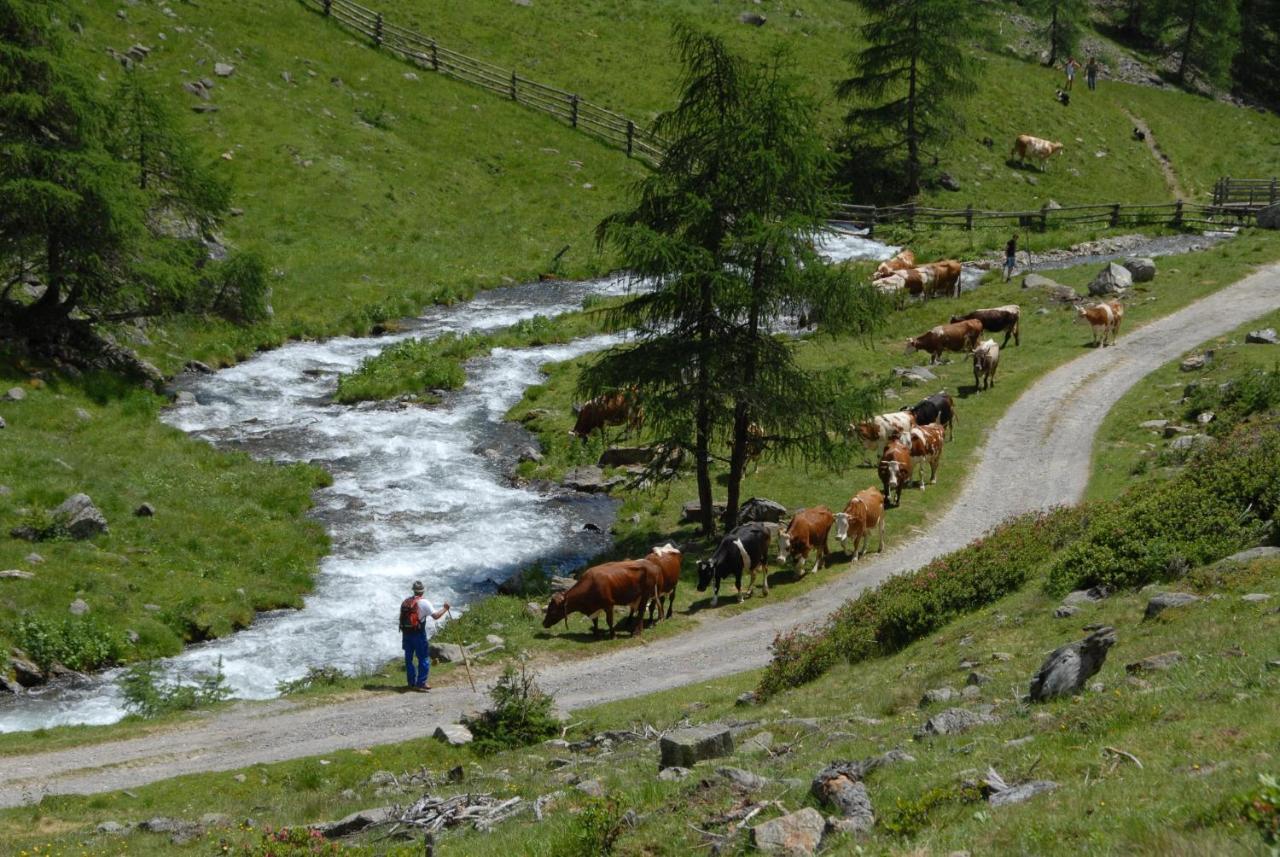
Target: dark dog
[
  {"x": 1139, "y": 135},
  {"x": 1064, "y": 98}
]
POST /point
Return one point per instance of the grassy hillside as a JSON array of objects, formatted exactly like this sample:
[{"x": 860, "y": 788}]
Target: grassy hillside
[{"x": 369, "y": 193}]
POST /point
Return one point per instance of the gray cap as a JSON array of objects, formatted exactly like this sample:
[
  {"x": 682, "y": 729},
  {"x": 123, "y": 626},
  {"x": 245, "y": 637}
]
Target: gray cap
[{"x": 418, "y": 588}]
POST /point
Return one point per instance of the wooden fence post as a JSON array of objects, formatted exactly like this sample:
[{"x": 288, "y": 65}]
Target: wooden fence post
[
  {"x": 435, "y": 56},
  {"x": 328, "y": 7},
  {"x": 1274, "y": 191},
  {"x": 377, "y": 30},
  {"x": 871, "y": 223},
  {"x": 1044, "y": 217},
  {"x": 513, "y": 87},
  {"x": 573, "y": 111},
  {"x": 1177, "y": 215},
  {"x": 631, "y": 135},
  {"x": 911, "y": 215},
  {"x": 968, "y": 217},
  {"x": 1115, "y": 215}
]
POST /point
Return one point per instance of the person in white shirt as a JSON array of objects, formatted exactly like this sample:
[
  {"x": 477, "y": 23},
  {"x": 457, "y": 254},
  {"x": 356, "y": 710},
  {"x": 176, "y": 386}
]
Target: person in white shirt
[{"x": 417, "y": 623}]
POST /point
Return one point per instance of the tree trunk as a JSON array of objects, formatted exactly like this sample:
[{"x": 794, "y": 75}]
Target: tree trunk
[
  {"x": 1053, "y": 37},
  {"x": 913, "y": 142},
  {"x": 1187, "y": 42},
  {"x": 741, "y": 412},
  {"x": 702, "y": 418}
]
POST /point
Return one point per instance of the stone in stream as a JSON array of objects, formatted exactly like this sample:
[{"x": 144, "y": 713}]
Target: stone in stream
[
  {"x": 1165, "y": 600},
  {"x": 686, "y": 747},
  {"x": 1069, "y": 667},
  {"x": 797, "y": 834}
]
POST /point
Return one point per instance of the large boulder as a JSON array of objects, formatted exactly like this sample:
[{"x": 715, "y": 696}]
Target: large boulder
[
  {"x": 836, "y": 787},
  {"x": 355, "y": 822},
  {"x": 954, "y": 721},
  {"x": 761, "y": 510},
  {"x": 691, "y": 512},
  {"x": 453, "y": 734},
  {"x": 1265, "y": 336},
  {"x": 1165, "y": 600},
  {"x": 1067, "y": 669},
  {"x": 1111, "y": 280},
  {"x": 80, "y": 517},
  {"x": 1269, "y": 217},
  {"x": 684, "y": 748},
  {"x": 1142, "y": 270},
  {"x": 1056, "y": 291},
  {"x": 795, "y": 835}
]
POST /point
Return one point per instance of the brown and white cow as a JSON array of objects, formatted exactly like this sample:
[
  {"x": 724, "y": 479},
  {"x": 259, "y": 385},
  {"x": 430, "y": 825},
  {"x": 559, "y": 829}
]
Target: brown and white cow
[
  {"x": 986, "y": 359},
  {"x": 608, "y": 409},
  {"x": 1104, "y": 319},
  {"x": 876, "y": 432},
  {"x": 943, "y": 279},
  {"x": 903, "y": 260},
  {"x": 755, "y": 444},
  {"x": 895, "y": 470},
  {"x": 628, "y": 583},
  {"x": 668, "y": 559},
  {"x": 996, "y": 319},
  {"x": 958, "y": 336},
  {"x": 807, "y": 531},
  {"x": 863, "y": 512},
  {"x": 1027, "y": 146},
  {"x": 926, "y": 446}
]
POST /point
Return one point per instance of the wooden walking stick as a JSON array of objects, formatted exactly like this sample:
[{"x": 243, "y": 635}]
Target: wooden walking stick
[{"x": 465, "y": 660}]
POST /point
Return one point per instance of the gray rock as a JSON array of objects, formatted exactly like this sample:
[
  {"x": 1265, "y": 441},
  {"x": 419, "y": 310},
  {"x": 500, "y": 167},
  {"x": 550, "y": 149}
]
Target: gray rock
[
  {"x": 1194, "y": 362},
  {"x": 1069, "y": 667},
  {"x": 761, "y": 742},
  {"x": 529, "y": 453},
  {"x": 1244, "y": 556},
  {"x": 453, "y": 734},
  {"x": 673, "y": 774},
  {"x": 15, "y": 394},
  {"x": 921, "y": 373},
  {"x": 589, "y": 479},
  {"x": 494, "y": 640},
  {"x": 1001, "y": 656},
  {"x": 796, "y": 835},
  {"x": 1086, "y": 596},
  {"x": 936, "y": 695},
  {"x": 848, "y": 796},
  {"x": 1255, "y": 597},
  {"x": 977, "y": 679},
  {"x": 534, "y": 611},
  {"x": 1140, "y": 269},
  {"x": 382, "y": 778},
  {"x": 34, "y": 559},
  {"x": 1154, "y": 425},
  {"x": 1053, "y": 205},
  {"x": 195, "y": 365},
  {"x": 15, "y": 574},
  {"x": 78, "y": 607},
  {"x": 624, "y": 456},
  {"x": 591, "y": 788},
  {"x": 691, "y": 512},
  {"x": 1205, "y": 417},
  {"x": 1154, "y": 663},
  {"x": 1018, "y": 794},
  {"x": 81, "y": 518},
  {"x": 446, "y": 653},
  {"x": 953, "y": 721},
  {"x": 1111, "y": 280},
  {"x": 686, "y": 747},
  {"x": 215, "y": 819},
  {"x": 1054, "y": 290},
  {"x": 8, "y": 685},
  {"x": 971, "y": 693},
  {"x": 1265, "y": 336},
  {"x": 949, "y": 182},
  {"x": 355, "y": 822},
  {"x": 112, "y": 827},
  {"x": 1165, "y": 600},
  {"x": 26, "y": 672},
  {"x": 747, "y": 697},
  {"x": 761, "y": 510},
  {"x": 743, "y": 780},
  {"x": 1065, "y": 611},
  {"x": 222, "y": 69},
  {"x": 1269, "y": 217}
]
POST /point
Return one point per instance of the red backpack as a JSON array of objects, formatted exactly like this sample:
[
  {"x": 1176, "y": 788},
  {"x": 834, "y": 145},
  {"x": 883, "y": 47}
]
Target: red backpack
[{"x": 410, "y": 621}]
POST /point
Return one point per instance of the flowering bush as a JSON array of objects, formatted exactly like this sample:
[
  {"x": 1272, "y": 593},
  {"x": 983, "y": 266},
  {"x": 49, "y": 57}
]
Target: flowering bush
[{"x": 290, "y": 842}]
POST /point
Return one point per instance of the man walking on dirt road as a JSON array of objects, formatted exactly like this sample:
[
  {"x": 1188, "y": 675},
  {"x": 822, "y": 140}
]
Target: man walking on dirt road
[{"x": 417, "y": 622}]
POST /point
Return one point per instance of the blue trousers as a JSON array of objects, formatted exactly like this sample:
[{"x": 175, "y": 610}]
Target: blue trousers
[{"x": 416, "y": 645}]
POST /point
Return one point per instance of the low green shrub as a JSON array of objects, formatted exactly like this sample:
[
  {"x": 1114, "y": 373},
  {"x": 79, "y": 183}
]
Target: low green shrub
[
  {"x": 521, "y": 714},
  {"x": 148, "y": 695},
  {"x": 76, "y": 643},
  {"x": 596, "y": 829},
  {"x": 316, "y": 677},
  {"x": 288, "y": 842},
  {"x": 1254, "y": 392},
  {"x": 1261, "y": 808},
  {"x": 911, "y": 815}
]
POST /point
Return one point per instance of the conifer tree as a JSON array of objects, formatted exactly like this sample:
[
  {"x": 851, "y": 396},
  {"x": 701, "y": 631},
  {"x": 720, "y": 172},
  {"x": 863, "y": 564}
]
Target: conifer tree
[
  {"x": 1202, "y": 33},
  {"x": 1061, "y": 29}
]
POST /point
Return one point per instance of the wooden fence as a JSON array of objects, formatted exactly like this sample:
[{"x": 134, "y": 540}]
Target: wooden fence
[
  {"x": 1113, "y": 215},
  {"x": 1246, "y": 193},
  {"x": 428, "y": 54}
]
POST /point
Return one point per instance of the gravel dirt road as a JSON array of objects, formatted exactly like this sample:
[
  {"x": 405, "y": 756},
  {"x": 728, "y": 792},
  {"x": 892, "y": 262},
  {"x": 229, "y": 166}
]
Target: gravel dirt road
[{"x": 1036, "y": 456}]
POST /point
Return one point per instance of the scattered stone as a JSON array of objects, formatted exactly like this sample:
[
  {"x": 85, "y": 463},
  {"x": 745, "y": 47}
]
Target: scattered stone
[
  {"x": 1244, "y": 556},
  {"x": 15, "y": 394},
  {"x": 797, "y": 834},
  {"x": 1019, "y": 742},
  {"x": 625, "y": 456},
  {"x": 1056, "y": 291},
  {"x": 743, "y": 780},
  {"x": 937, "y": 694},
  {"x": 112, "y": 827},
  {"x": 1053, "y": 205},
  {"x": 971, "y": 693},
  {"x": 1097, "y": 687},
  {"x": 686, "y": 747},
  {"x": 1001, "y": 656},
  {"x": 239, "y": 778},
  {"x": 949, "y": 182},
  {"x": 1273, "y": 665},
  {"x": 453, "y": 734},
  {"x": 1155, "y": 663},
  {"x": 1111, "y": 280},
  {"x": 1269, "y": 217},
  {"x": 1194, "y": 362},
  {"x": 673, "y": 774},
  {"x": 26, "y": 672},
  {"x": 529, "y": 453},
  {"x": 222, "y": 69},
  {"x": 81, "y": 518},
  {"x": 151, "y": 608},
  {"x": 761, "y": 510},
  {"x": 1252, "y": 597},
  {"x": 1067, "y": 669},
  {"x": 1140, "y": 269},
  {"x": 747, "y": 697},
  {"x": 1165, "y": 600},
  {"x": 977, "y": 679},
  {"x": 761, "y": 742},
  {"x": 446, "y": 653},
  {"x": 15, "y": 574},
  {"x": 691, "y": 512},
  {"x": 1018, "y": 794},
  {"x": 589, "y": 479},
  {"x": 953, "y": 721},
  {"x": 533, "y": 610},
  {"x": 591, "y": 788},
  {"x": 1189, "y": 442},
  {"x": 355, "y": 822},
  {"x": 1154, "y": 425},
  {"x": 215, "y": 819},
  {"x": 1065, "y": 611},
  {"x": 34, "y": 559},
  {"x": 78, "y": 607},
  {"x": 849, "y": 797},
  {"x": 1138, "y": 684},
  {"x": 1086, "y": 596},
  {"x": 1265, "y": 336},
  {"x": 146, "y": 510}
]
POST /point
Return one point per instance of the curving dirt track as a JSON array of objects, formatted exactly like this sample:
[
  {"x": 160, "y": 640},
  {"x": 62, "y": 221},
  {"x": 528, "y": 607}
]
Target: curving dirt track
[{"x": 1036, "y": 456}]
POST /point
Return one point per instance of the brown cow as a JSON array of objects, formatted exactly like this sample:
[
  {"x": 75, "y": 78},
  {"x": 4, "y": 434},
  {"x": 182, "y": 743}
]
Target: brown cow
[
  {"x": 1027, "y": 146},
  {"x": 876, "y": 432},
  {"x": 944, "y": 280},
  {"x": 629, "y": 583},
  {"x": 959, "y": 336},
  {"x": 864, "y": 511},
  {"x": 1102, "y": 318},
  {"x": 895, "y": 470},
  {"x": 986, "y": 359},
  {"x": 904, "y": 260},
  {"x": 926, "y": 445},
  {"x": 608, "y": 409},
  {"x": 807, "y": 531},
  {"x": 755, "y": 444},
  {"x": 996, "y": 319},
  {"x": 667, "y": 558}
]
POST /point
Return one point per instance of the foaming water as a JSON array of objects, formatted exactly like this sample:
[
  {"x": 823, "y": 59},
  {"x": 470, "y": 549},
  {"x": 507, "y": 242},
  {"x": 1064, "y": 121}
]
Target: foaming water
[{"x": 412, "y": 496}]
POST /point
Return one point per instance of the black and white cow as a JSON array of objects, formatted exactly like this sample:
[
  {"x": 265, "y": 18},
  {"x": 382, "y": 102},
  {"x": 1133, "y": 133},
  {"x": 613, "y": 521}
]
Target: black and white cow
[
  {"x": 939, "y": 408},
  {"x": 745, "y": 549}
]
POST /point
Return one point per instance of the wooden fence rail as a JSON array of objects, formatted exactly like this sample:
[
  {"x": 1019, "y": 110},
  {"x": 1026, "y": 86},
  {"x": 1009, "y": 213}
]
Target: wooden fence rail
[
  {"x": 1246, "y": 193},
  {"x": 426, "y": 53},
  {"x": 1175, "y": 214}
]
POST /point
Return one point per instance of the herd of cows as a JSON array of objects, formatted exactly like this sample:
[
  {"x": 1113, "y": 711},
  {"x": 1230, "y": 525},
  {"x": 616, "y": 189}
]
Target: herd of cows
[{"x": 905, "y": 442}]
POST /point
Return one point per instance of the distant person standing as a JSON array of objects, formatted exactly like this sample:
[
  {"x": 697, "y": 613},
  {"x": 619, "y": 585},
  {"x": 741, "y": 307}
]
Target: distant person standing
[
  {"x": 1091, "y": 73},
  {"x": 417, "y": 623},
  {"x": 1071, "y": 67},
  {"x": 1010, "y": 257}
]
